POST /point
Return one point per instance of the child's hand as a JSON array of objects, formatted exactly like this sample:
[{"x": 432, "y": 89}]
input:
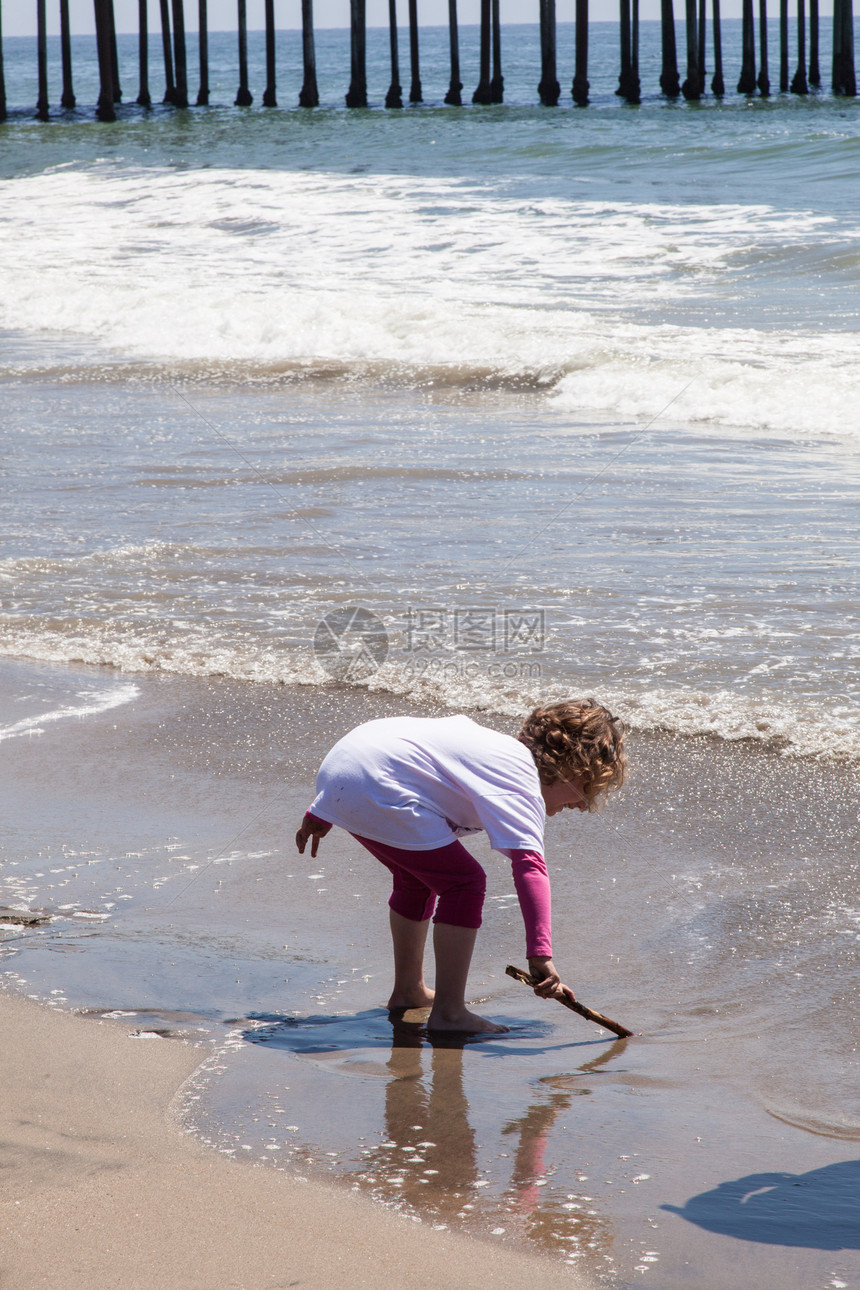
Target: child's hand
[
  {"x": 313, "y": 829},
  {"x": 549, "y": 982}
]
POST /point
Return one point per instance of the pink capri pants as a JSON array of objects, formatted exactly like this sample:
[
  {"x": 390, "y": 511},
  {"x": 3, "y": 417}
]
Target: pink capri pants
[{"x": 450, "y": 874}]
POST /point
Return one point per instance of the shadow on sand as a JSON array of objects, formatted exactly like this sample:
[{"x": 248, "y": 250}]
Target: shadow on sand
[
  {"x": 818, "y": 1210},
  {"x": 378, "y": 1028}
]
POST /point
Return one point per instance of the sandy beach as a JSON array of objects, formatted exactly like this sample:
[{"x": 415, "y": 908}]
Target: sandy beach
[
  {"x": 101, "y": 1187},
  {"x": 155, "y": 840}
]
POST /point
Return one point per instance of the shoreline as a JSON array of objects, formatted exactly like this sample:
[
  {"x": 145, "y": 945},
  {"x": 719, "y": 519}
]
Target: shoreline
[
  {"x": 102, "y": 1182},
  {"x": 619, "y": 1158}
]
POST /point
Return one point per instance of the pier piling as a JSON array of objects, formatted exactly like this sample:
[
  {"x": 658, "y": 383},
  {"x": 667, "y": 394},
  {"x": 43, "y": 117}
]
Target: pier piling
[
  {"x": 628, "y": 78},
  {"x": 799, "y": 84},
  {"x": 763, "y": 81},
  {"x": 718, "y": 84},
  {"x": 414, "y": 68},
  {"x": 634, "y": 51},
  {"x": 244, "y": 97},
  {"x": 453, "y": 97},
  {"x": 497, "y": 81},
  {"x": 169, "y": 84},
  {"x": 67, "y": 99},
  {"x": 783, "y": 46},
  {"x": 2, "y": 71},
  {"x": 269, "y": 93},
  {"x": 849, "y": 77},
  {"x": 579, "y": 89},
  {"x": 549, "y": 88},
  {"x": 42, "y": 60},
  {"x": 143, "y": 96},
  {"x": 747, "y": 83},
  {"x": 806, "y": 75},
  {"x": 692, "y": 87},
  {"x": 179, "y": 55},
  {"x": 309, "y": 94},
  {"x": 203, "y": 52},
  {"x": 482, "y": 90},
  {"x": 114, "y": 54},
  {"x": 357, "y": 94},
  {"x": 844, "y": 81},
  {"x": 394, "y": 97},
  {"x": 143, "y": 56},
  {"x": 814, "y": 67},
  {"x": 105, "y": 109},
  {"x": 670, "y": 81}
]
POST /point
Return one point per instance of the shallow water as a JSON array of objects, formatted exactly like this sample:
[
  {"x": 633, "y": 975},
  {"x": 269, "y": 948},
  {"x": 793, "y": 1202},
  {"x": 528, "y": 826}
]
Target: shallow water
[
  {"x": 701, "y": 581},
  {"x": 712, "y": 908}
]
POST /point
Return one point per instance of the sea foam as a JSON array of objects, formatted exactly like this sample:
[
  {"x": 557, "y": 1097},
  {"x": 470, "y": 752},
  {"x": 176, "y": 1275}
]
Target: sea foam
[
  {"x": 93, "y": 701},
  {"x": 435, "y": 277},
  {"x": 788, "y": 727}
]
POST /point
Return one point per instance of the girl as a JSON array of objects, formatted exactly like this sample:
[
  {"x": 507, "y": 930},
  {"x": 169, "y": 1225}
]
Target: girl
[{"x": 407, "y": 788}]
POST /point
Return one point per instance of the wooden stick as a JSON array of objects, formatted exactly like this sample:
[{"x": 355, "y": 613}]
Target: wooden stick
[{"x": 570, "y": 1002}]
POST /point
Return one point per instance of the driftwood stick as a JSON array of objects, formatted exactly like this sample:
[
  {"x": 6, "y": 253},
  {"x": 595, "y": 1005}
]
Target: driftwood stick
[{"x": 570, "y": 1002}]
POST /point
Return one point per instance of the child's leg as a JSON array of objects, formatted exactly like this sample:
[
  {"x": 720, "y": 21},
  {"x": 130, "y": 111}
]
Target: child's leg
[
  {"x": 454, "y": 875},
  {"x": 408, "y": 938},
  {"x": 453, "y": 948},
  {"x": 410, "y": 909}
]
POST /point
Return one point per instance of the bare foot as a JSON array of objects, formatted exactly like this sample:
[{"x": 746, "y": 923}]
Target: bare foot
[
  {"x": 418, "y": 998},
  {"x": 464, "y": 1021}
]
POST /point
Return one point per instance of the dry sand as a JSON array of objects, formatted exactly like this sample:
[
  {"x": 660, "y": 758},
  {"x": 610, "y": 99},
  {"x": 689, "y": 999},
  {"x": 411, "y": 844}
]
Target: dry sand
[{"x": 100, "y": 1187}]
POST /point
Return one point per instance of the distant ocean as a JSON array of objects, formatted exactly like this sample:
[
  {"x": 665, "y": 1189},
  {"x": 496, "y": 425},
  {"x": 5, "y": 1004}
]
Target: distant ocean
[
  {"x": 561, "y": 401},
  {"x": 583, "y": 271}
]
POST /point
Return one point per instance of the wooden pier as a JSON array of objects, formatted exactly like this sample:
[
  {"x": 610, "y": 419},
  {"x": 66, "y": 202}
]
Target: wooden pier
[{"x": 753, "y": 79}]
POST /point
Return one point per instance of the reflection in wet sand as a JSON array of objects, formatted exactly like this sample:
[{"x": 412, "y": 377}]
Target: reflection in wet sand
[
  {"x": 545, "y": 1218},
  {"x": 551, "y": 1220},
  {"x": 428, "y": 1156},
  {"x": 427, "y": 1159}
]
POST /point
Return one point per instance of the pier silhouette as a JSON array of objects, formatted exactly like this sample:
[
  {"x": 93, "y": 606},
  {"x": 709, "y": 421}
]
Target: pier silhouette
[{"x": 753, "y": 79}]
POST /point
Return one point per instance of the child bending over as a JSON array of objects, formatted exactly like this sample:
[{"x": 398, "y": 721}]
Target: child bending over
[{"x": 408, "y": 788}]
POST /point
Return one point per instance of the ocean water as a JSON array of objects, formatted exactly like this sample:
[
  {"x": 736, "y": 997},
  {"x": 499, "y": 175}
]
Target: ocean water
[{"x": 314, "y": 416}]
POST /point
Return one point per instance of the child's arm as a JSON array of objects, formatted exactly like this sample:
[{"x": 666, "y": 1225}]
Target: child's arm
[
  {"x": 533, "y": 891},
  {"x": 311, "y": 828},
  {"x": 543, "y": 970}
]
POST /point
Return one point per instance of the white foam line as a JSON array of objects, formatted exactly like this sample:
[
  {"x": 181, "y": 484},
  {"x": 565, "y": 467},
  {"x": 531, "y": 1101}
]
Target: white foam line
[{"x": 98, "y": 703}]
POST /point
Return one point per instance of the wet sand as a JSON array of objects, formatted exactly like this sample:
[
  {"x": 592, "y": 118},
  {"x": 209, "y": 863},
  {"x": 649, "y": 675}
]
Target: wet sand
[
  {"x": 712, "y": 909},
  {"x": 101, "y": 1187}
]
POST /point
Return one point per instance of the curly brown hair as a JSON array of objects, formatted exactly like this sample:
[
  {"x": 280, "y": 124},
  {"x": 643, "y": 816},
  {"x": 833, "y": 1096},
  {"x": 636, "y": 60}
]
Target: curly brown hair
[{"x": 577, "y": 737}]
